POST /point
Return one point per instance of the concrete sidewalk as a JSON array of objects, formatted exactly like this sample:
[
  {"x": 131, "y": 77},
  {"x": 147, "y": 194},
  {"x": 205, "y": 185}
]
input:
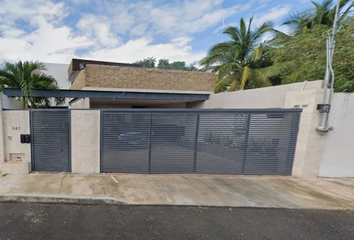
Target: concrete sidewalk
[{"x": 200, "y": 190}]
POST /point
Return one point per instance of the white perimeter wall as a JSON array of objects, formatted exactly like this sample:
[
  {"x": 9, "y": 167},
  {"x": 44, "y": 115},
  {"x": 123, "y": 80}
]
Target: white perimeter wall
[
  {"x": 338, "y": 157},
  {"x": 268, "y": 97},
  {"x": 60, "y": 73},
  {"x": 10, "y": 103},
  {"x": 15, "y": 123}
]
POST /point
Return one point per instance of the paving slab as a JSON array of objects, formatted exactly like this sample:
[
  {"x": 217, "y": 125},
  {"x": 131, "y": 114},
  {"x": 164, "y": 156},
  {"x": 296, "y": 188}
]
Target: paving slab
[{"x": 186, "y": 190}]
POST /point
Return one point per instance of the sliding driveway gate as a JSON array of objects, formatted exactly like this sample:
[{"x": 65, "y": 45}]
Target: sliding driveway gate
[{"x": 199, "y": 141}]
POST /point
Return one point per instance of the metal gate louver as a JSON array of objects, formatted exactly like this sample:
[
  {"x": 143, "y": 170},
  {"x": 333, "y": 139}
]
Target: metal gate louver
[
  {"x": 126, "y": 142},
  {"x": 51, "y": 140},
  {"x": 199, "y": 141}
]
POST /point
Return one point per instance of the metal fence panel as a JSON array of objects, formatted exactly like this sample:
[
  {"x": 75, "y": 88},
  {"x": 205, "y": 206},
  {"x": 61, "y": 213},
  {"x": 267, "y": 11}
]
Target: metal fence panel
[
  {"x": 125, "y": 142},
  {"x": 200, "y": 141},
  {"x": 173, "y": 142},
  {"x": 221, "y": 143},
  {"x": 51, "y": 140}
]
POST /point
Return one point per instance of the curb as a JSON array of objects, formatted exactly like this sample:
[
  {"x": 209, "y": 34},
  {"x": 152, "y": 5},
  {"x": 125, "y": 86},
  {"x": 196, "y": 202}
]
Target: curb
[
  {"x": 28, "y": 198},
  {"x": 84, "y": 200}
]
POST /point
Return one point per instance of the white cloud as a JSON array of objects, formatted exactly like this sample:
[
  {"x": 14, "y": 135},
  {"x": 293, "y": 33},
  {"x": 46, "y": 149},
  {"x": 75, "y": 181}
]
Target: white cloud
[
  {"x": 113, "y": 30},
  {"x": 11, "y": 11},
  {"x": 175, "y": 50},
  {"x": 98, "y": 29},
  {"x": 273, "y": 14},
  {"x": 31, "y": 30},
  {"x": 189, "y": 17},
  {"x": 178, "y": 18},
  {"x": 47, "y": 43}
]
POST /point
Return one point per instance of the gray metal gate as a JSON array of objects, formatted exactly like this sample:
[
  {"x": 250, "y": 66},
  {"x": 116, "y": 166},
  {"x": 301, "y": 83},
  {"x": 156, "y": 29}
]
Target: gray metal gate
[
  {"x": 50, "y": 134},
  {"x": 214, "y": 141}
]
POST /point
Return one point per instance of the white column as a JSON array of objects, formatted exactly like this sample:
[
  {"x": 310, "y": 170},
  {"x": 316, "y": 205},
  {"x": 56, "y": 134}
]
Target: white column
[{"x": 310, "y": 144}]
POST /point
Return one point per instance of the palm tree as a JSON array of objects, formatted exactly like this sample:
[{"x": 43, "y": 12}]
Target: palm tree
[
  {"x": 239, "y": 62},
  {"x": 27, "y": 77},
  {"x": 321, "y": 14}
]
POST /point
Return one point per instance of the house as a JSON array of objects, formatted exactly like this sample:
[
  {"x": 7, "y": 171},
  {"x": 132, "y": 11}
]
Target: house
[
  {"x": 126, "y": 119},
  {"x": 136, "y": 87}
]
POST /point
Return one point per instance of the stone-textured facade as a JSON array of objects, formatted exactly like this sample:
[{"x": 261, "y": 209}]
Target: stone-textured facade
[
  {"x": 79, "y": 82},
  {"x": 101, "y": 76},
  {"x": 85, "y": 141}
]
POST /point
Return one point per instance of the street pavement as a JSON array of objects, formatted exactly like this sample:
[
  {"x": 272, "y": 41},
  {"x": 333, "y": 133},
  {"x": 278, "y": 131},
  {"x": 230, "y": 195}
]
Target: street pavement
[{"x": 69, "y": 221}]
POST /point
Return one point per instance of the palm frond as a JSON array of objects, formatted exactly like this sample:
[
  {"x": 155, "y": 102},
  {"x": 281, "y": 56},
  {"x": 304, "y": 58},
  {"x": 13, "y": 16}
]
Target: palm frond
[
  {"x": 27, "y": 76},
  {"x": 222, "y": 84},
  {"x": 246, "y": 74},
  {"x": 234, "y": 86}
]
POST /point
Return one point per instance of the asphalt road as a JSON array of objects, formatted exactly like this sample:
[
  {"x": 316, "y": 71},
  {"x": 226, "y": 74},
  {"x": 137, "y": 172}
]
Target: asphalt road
[{"x": 55, "y": 221}]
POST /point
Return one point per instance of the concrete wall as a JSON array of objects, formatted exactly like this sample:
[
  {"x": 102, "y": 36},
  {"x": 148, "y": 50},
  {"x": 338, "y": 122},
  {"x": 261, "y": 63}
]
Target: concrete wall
[
  {"x": 16, "y": 123},
  {"x": 10, "y": 103},
  {"x": 338, "y": 157},
  {"x": 85, "y": 144},
  {"x": 83, "y": 103},
  {"x": 144, "y": 78},
  {"x": 310, "y": 144},
  {"x": 60, "y": 73},
  {"x": 268, "y": 97}
]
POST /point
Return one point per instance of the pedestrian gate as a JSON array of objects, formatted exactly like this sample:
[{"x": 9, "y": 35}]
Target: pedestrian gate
[
  {"x": 199, "y": 141},
  {"x": 50, "y": 131}
]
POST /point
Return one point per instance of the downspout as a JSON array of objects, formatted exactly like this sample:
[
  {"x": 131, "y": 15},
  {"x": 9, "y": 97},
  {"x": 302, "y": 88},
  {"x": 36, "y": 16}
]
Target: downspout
[{"x": 330, "y": 44}]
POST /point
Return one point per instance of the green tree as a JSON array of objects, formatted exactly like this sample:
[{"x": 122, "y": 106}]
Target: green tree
[
  {"x": 240, "y": 63},
  {"x": 165, "y": 64},
  {"x": 320, "y": 14},
  {"x": 305, "y": 55},
  {"x": 179, "y": 65},
  {"x": 27, "y": 77},
  {"x": 146, "y": 63}
]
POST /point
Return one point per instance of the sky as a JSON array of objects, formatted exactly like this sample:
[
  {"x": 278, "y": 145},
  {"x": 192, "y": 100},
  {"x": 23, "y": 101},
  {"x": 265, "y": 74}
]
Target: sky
[{"x": 126, "y": 30}]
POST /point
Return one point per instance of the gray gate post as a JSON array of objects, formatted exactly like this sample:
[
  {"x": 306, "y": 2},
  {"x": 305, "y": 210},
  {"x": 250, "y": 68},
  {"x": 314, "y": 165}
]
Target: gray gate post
[
  {"x": 150, "y": 137},
  {"x": 244, "y": 156},
  {"x": 196, "y": 142}
]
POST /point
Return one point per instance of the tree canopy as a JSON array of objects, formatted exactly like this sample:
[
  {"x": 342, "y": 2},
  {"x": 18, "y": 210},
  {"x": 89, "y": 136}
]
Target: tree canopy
[
  {"x": 27, "y": 77},
  {"x": 320, "y": 14},
  {"x": 165, "y": 64},
  {"x": 243, "y": 61}
]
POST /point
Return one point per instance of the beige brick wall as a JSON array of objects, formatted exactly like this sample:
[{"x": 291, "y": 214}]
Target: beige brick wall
[
  {"x": 85, "y": 142},
  {"x": 144, "y": 78},
  {"x": 12, "y": 146},
  {"x": 79, "y": 82}
]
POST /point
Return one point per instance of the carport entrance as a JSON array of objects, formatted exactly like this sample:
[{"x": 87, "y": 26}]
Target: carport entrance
[
  {"x": 199, "y": 141},
  {"x": 50, "y": 131}
]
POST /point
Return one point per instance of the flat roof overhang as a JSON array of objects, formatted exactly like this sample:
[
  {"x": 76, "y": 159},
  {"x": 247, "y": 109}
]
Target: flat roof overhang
[{"x": 12, "y": 92}]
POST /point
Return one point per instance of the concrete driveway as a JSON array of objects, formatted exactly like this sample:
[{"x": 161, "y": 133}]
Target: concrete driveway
[{"x": 200, "y": 190}]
